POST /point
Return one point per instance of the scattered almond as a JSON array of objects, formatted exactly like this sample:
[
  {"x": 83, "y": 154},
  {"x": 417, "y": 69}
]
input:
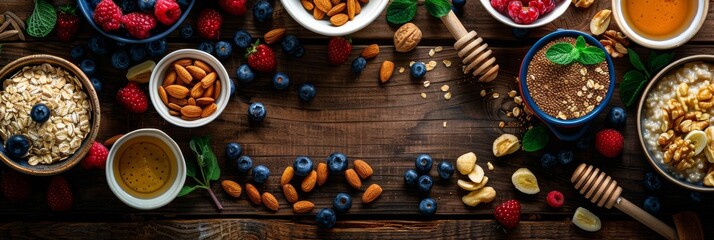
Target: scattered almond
[
  {"x": 231, "y": 187},
  {"x": 353, "y": 179},
  {"x": 370, "y": 51},
  {"x": 308, "y": 183},
  {"x": 385, "y": 72},
  {"x": 303, "y": 207},
  {"x": 253, "y": 193},
  {"x": 290, "y": 193},
  {"x": 363, "y": 169},
  {"x": 270, "y": 201},
  {"x": 109, "y": 142},
  {"x": 275, "y": 35},
  {"x": 371, "y": 194},
  {"x": 322, "y": 173},
  {"x": 288, "y": 174}
]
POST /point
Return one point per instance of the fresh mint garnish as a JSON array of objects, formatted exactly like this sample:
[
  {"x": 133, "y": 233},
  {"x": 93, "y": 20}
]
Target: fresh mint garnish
[
  {"x": 207, "y": 163},
  {"x": 403, "y": 11},
  {"x": 535, "y": 139},
  {"x": 42, "y": 20},
  {"x": 564, "y": 53}
]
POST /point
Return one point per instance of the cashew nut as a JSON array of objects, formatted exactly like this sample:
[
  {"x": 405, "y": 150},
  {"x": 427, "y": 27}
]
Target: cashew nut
[{"x": 484, "y": 195}]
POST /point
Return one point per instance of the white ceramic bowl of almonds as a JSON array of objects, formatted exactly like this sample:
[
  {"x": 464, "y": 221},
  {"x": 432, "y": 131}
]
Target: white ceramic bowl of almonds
[
  {"x": 166, "y": 65},
  {"x": 369, "y": 11}
]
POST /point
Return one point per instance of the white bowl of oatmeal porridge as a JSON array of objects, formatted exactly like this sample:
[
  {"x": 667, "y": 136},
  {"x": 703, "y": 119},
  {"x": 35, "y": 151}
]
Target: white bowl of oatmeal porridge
[
  {"x": 62, "y": 141},
  {"x": 675, "y": 107}
]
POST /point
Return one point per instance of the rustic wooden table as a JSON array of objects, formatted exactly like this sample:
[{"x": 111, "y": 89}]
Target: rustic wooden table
[{"x": 387, "y": 125}]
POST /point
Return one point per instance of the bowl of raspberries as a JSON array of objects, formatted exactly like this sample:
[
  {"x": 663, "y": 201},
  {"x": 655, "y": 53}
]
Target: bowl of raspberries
[
  {"x": 135, "y": 21},
  {"x": 526, "y": 13}
]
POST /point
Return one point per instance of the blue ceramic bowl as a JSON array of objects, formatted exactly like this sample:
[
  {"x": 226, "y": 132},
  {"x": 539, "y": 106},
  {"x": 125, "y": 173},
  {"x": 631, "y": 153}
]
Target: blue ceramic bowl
[
  {"x": 571, "y": 129},
  {"x": 85, "y": 6}
]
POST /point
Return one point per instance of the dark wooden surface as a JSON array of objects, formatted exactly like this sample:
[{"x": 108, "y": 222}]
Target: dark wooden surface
[{"x": 387, "y": 125}]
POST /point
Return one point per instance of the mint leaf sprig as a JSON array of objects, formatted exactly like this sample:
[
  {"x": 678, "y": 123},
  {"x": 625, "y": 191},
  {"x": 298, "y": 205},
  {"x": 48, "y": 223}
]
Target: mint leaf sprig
[
  {"x": 402, "y": 11},
  {"x": 635, "y": 80},
  {"x": 535, "y": 139},
  {"x": 42, "y": 20},
  {"x": 564, "y": 53},
  {"x": 207, "y": 164}
]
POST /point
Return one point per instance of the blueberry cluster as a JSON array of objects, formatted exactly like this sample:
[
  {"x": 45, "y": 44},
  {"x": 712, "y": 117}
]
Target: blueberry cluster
[
  {"x": 420, "y": 178},
  {"x": 551, "y": 159},
  {"x": 243, "y": 163}
]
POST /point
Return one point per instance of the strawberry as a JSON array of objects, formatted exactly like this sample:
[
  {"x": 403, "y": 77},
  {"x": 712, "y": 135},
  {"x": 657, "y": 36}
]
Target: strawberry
[
  {"x": 15, "y": 186},
  {"x": 209, "y": 24},
  {"x": 261, "y": 58},
  {"x": 233, "y": 7},
  {"x": 167, "y": 11},
  {"x": 138, "y": 24},
  {"x": 609, "y": 142},
  {"x": 67, "y": 23},
  {"x": 59, "y": 195},
  {"x": 508, "y": 213},
  {"x": 107, "y": 15},
  {"x": 132, "y": 98},
  {"x": 338, "y": 50},
  {"x": 96, "y": 157},
  {"x": 555, "y": 199}
]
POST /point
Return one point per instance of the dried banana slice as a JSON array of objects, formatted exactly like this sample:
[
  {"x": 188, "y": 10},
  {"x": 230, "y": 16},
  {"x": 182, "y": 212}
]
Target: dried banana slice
[{"x": 505, "y": 144}]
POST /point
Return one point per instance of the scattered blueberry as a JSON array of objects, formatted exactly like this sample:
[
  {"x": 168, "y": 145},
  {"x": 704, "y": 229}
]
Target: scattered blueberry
[
  {"x": 156, "y": 48},
  {"x": 244, "y": 164},
  {"x": 260, "y": 174},
  {"x": 147, "y": 5},
  {"x": 520, "y": 33},
  {"x": 583, "y": 144},
  {"x": 302, "y": 166},
  {"x": 410, "y": 177},
  {"x": 242, "y": 39},
  {"x": 358, "y": 65},
  {"x": 326, "y": 218},
  {"x": 206, "y": 46},
  {"x": 418, "y": 70},
  {"x": 694, "y": 196},
  {"x": 98, "y": 45},
  {"x": 186, "y": 31},
  {"x": 40, "y": 113},
  {"x": 244, "y": 73},
  {"x": 137, "y": 52},
  {"x": 307, "y": 92},
  {"x": 262, "y": 11},
  {"x": 423, "y": 163},
  {"x": 427, "y": 206},
  {"x": 446, "y": 170},
  {"x": 565, "y": 156},
  {"x": 299, "y": 52},
  {"x": 342, "y": 203},
  {"x": 257, "y": 112},
  {"x": 88, "y": 67},
  {"x": 652, "y": 204},
  {"x": 458, "y": 3},
  {"x": 425, "y": 183},
  {"x": 223, "y": 49},
  {"x": 616, "y": 117},
  {"x": 128, "y": 6},
  {"x": 120, "y": 60},
  {"x": 96, "y": 84},
  {"x": 233, "y": 87},
  {"x": 337, "y": 163},
  {"x": 652, "y": 182},
  {"x": 233, "y": 151},
  {"x": 457, "y": 11},
  {"x": 548, "y": 160},
  {"x": 291, "y": 46},
  {"x": 17, "y": 146},
  {"x": 77, "y": 53},
  {"x": 280, "y": 81}
]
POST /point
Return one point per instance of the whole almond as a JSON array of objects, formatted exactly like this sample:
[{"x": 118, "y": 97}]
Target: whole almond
[
  {"x": 191, "y": 111},
  {"x": 322, "y": 173},
  {"x": 339, "y": 19},
  {"x": 290, "y": 193},
  {"x": 169, "y": 79},
  {"x": 385, "y": 72},
  {"x": 274, "y": 35},
  {"x": 370, "y": 51},
  {"x": 308, "y": 183},
  {"x": 183, "y": 62},
  {"x": 163, "y": 96},
  {"x": 190, "y": 118},
  {"x": 208, "y": 80},
  {"x": 318, "y": 14},
  {"x": 196, "y": 72},
  {"x": 205, "y": 101},
  {"x": 351, "y": 8},
  {"x": 174, "y": 107},
  {"x": 364, "y": 1},
  {"x": 372, "y": 193},
  {"x": 363, "y": 169},
  {"x": 217, "y": 90},
  {"x": 180, "y": 102},
  {"x": 209, "y": 91},
  {"x": 252, "y": 193},
  {"x": 183, "y": 74},
  {"x": 335, "y": 2},
  {"x": 323, "y": 5},
  {"x": 177, "y": 91},
  {"x": 353, "y": 178},
  {"x": 209, "y": 110},
  {"x": 232, "y": 188},
  {"x": 336, "y": 9},
  {"x": 270, "y": 201},
  {"x": 288, "y": 174},
  {"x": 109, "y": 142},
  {"x": 192, "y": 101},
  {"x": 203, "y": 65},
  {"x": 174, "y": 113},
  {"x": 358, "y": 8},
  {"x": 197, "y": 91},
  {"x": 307, "y": 5},
  {"x": 303, "y": 207}
]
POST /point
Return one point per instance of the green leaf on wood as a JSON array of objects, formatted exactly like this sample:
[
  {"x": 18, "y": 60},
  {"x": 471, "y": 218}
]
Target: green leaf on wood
[
  {"x": 636, "y": 61},
  {"x": 42, "y": 20},
  {"x": 631, "y": 87},
  {"x": 185, "y": 190},
  {"x": 401, "y": 11},
  {"x": 535, "y": 139},
  {"x": 437, "y": 8},
  {"x": 657, "y": 62}
]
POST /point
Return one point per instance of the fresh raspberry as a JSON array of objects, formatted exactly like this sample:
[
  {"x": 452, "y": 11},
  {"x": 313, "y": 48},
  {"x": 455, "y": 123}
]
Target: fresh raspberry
[
  {"x": 167, "y": 11},
  {"x": 209, "y": 24},
  {"x": 508, "y": 213},
  {"x": 233, "y": 7},
  {"x": 524, "y": 15},
  {"x": 67, "y": 23},
  {"x": 138, "y": 24},
  {"x": 96, "y": 157},
  {"x": 15, "y": 186},
  {"x": 59, "y": 194},
  {"x": 107, "y": 15},
  {"x": 132, "y": 98},
  {"x": 261, "y": 58},
  {"x": 543, "y": 6},
  {"x": 500, "y": 5},
  {"x": 609, "y": 142},
  {"x": 338, "y": 50},
  {"x": 513, "y": 8},
  {"x": 555, "y": 199}
]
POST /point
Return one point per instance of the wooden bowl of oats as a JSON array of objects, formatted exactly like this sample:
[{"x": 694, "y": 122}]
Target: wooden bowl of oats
[{"x": 62, "y": 141}]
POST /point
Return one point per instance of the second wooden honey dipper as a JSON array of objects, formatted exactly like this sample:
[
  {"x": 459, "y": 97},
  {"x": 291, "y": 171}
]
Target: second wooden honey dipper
[{"x": 473, "y": 51}]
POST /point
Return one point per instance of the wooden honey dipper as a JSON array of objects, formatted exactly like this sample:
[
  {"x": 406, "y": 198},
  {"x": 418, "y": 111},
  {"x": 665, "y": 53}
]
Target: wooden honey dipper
[
  {"x": 473, "y": 51},
  {"x": 603, "y": 190}
]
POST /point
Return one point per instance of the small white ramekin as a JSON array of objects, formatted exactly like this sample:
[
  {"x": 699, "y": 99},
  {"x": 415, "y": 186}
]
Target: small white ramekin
[
  {"x": 558, "y": 10},
  {"x": 369, "y": 12}
]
